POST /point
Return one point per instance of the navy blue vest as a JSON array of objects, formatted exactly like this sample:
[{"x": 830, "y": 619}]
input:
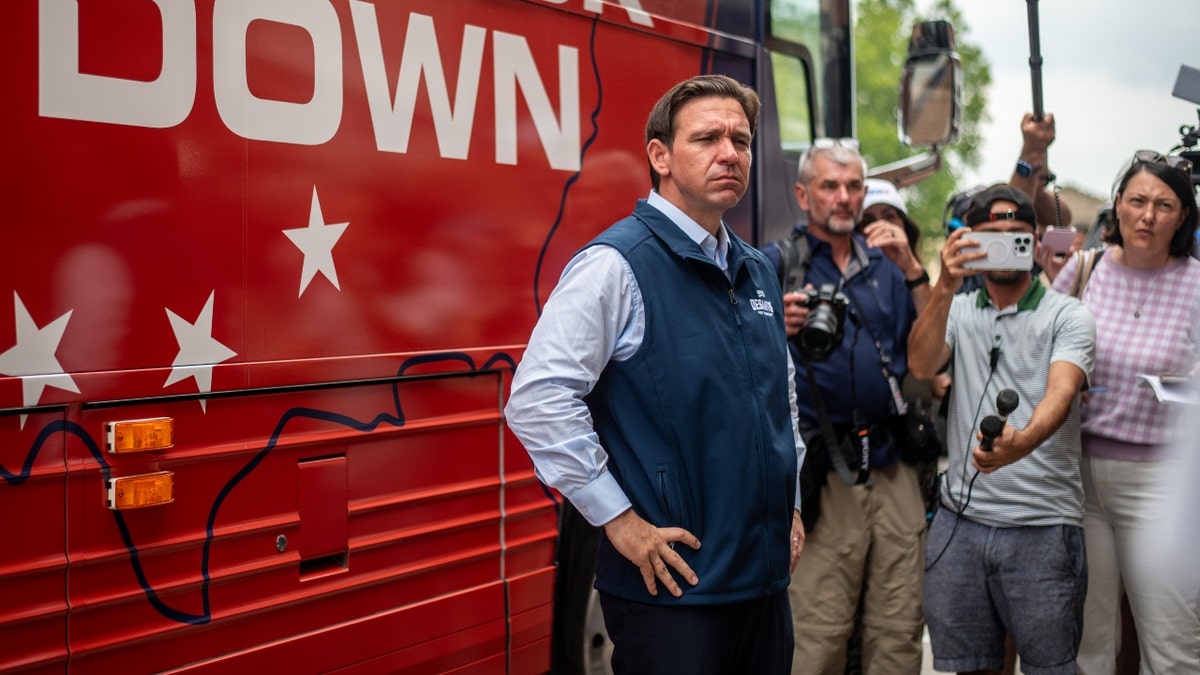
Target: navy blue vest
[{"x": 696, "y": 423}]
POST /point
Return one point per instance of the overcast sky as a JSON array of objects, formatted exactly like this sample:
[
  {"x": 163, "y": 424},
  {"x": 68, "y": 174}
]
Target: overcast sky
[{"x": 1108, "y": 73}]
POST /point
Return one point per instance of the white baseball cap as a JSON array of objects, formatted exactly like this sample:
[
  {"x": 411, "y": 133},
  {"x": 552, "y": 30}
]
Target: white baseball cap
[{"x": 882, "y": 192}]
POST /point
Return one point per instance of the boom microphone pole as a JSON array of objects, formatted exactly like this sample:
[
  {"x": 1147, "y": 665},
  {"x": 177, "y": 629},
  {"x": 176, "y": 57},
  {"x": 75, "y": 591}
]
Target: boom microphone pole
[{"x": 1035, "y": 58}]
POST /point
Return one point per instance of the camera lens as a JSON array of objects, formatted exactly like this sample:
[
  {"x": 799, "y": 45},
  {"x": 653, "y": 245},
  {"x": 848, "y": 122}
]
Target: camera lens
[
  {"x": 819, "y": 336},
  {"x": 815, "y": 343},
  {"x": 822, "y": 331}
]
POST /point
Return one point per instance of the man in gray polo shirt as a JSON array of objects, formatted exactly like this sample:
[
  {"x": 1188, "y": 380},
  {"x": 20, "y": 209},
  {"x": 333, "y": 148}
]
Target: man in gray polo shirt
[{"x": 1005, "y": 553}]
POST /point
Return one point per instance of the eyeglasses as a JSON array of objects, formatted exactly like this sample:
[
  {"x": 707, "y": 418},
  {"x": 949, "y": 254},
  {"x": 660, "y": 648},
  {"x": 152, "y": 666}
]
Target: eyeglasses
[
  {"x": 1174, "y": 161},
  {"x": 827, "y": 143}
]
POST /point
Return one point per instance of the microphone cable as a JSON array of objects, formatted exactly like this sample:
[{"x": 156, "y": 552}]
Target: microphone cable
[{"x": 971, "y": 484}]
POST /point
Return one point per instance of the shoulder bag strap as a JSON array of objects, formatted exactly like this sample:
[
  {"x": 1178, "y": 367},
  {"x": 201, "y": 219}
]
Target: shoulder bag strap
[
  {"x": 1087, "y": 261},
  {"x": 794, "y": 258}
]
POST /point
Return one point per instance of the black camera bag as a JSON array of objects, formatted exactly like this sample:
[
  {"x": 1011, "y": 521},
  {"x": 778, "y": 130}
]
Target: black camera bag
[{"x": 916, "y": 435}]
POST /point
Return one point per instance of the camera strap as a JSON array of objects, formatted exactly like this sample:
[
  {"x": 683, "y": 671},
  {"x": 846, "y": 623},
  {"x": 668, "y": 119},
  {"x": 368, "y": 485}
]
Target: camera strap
[
  {"x": 840, "y": 452},
  {"x": 898, "y": 402}
]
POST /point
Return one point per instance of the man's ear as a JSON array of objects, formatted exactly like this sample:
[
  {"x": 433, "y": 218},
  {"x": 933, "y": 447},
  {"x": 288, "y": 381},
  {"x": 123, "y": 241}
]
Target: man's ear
[
  {"x": 801, "y": 195},
  {"x": 659, "y": 155}
]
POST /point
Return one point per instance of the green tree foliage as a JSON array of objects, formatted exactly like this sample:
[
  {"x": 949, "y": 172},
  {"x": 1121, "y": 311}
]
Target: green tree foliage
[{"x": 881, "y": 34}]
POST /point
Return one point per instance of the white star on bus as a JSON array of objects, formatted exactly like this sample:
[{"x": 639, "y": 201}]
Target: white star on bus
[
  {"x": 316, "y": 242},
  {"x": 198, "y": 351},
  {"x": 32, "y": 358}
]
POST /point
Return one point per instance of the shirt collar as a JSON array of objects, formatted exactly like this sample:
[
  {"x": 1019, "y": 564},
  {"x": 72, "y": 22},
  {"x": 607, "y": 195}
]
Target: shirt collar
[
  {"x": 860, "y": 255},
  {"x": 1033, "y": 296},
  {"x": 692, "y": 229}
]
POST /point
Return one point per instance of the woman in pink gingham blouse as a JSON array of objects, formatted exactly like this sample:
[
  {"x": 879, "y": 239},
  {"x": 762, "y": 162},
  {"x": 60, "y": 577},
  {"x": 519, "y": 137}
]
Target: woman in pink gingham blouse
[{"x": 1145, "y": 295}]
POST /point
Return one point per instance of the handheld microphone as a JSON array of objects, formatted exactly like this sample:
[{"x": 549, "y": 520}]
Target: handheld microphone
[{"x": 993, "y": 425}]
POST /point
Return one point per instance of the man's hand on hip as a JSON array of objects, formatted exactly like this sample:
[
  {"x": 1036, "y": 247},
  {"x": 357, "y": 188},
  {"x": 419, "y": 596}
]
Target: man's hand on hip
[{"x": 650, "y": 548}]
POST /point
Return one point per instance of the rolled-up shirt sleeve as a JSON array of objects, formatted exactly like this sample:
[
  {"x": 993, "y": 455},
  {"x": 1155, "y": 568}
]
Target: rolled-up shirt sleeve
[{"x": 594, "y": 315}]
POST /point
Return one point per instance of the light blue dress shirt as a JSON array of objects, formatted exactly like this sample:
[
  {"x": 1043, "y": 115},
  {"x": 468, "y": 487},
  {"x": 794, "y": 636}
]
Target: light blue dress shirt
[{"x": 595, "y": 314}]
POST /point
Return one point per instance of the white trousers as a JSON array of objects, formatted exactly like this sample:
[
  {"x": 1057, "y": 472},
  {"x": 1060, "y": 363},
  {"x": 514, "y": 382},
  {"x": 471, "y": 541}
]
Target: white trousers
[{"x": 1123, "y": 501}]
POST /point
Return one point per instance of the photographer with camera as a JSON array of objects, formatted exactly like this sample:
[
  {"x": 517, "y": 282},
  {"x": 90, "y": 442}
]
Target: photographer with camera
[
  {"x": 848, "y": 310},
  {"x": 1006, "y": 550}
]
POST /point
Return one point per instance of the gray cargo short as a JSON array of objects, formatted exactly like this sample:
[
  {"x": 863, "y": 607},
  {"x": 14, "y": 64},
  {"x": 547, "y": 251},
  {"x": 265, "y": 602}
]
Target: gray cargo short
[{"x": 983, "y": 582}]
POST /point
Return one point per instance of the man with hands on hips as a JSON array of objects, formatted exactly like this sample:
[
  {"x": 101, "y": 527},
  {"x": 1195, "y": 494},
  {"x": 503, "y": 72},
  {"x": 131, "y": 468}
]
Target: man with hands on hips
[
  {"x": 656, "y": 395},
  {"x": 1005, "y": 552}
]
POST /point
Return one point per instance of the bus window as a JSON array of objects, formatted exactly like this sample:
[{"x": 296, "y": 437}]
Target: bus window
[
  {"x": 797, "y": 52},
  {"x": 792, "y": 92},
  {"x": 798, "y": 22}
]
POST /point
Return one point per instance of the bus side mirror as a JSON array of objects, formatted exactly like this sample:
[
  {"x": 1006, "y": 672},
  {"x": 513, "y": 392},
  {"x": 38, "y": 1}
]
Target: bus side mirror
[{"x": 931, "y": 87}]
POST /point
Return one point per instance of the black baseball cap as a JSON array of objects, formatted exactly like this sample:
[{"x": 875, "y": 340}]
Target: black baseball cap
[{"x": 980, "y": 208}]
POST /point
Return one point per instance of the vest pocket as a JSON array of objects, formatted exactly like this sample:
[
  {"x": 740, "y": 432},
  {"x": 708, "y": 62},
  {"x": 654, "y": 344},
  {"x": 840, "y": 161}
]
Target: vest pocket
[{"x": 668, "y": 498}]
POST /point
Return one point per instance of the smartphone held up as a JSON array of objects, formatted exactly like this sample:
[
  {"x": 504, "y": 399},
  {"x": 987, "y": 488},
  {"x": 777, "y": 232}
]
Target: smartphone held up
[
  {"x": 1058, "y": 240},
  {"x": 1005, "y": 250}
]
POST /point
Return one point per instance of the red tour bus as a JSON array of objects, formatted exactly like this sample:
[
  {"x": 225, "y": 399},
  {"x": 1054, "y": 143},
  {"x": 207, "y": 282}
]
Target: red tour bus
[{"x": 268, "y": 267}]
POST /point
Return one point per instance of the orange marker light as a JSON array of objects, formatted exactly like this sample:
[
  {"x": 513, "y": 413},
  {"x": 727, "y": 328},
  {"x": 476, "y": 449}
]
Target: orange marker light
[
  {"x": 155, "y": 433},
  {"x": 135, "y": 492}
]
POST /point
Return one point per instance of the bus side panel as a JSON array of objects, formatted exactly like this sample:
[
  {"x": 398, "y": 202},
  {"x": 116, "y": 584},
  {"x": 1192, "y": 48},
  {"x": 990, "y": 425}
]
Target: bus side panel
[
  {"x": 33, "y": 564},
  {"x": 454, "y": 645},
  {"x": 225, "y": 567}
]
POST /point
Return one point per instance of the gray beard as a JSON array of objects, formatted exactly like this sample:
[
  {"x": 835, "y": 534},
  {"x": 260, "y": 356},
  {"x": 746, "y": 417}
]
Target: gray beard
[{"x": 837, "y": 226}]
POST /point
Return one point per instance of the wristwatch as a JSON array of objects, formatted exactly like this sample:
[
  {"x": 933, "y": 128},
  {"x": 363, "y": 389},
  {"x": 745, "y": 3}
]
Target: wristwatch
[
  {"x": 1024, "y": 168},
  {"x": 923, "y": 279}
]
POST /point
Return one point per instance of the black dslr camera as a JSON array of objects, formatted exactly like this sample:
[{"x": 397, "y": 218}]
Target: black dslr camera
[{"x": 825, "y": 327}]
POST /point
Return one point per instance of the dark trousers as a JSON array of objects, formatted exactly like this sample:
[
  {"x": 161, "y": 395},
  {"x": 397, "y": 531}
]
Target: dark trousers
[{"x": 754, "y": 636}]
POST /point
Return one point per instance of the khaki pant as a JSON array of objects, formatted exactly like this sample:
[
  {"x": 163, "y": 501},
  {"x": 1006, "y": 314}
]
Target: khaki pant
[{"x": 869, "y": 540}]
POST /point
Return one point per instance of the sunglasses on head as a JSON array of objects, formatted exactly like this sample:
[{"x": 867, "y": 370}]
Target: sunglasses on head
[
  {"x": 1173, "y": 161},
  {"x": 827, "y": 143}
]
